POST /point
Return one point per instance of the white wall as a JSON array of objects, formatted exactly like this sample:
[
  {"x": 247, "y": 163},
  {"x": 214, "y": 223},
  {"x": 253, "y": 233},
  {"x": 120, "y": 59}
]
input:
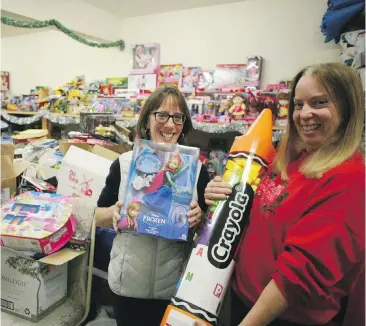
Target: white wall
[
  {"x": 285, "y": 33},
  {"x": 52, "y": 58},
  {"x": 74, "y": 14}
]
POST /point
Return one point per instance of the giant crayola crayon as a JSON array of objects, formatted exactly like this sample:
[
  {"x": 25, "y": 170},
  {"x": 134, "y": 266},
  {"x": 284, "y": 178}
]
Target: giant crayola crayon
[{"x": 206, "y": 278}]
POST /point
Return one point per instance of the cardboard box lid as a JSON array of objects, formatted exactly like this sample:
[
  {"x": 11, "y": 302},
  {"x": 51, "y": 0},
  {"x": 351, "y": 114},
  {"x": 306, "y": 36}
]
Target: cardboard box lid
[
  {"x": 7, "y": 149},
  {"x": 105, "y": 153},
  {"x": 58, "y": 258},
  {"x": 61, "y": 257},
  {"x": 86, "y": 161},
  {"x": 7, "y": 168}
]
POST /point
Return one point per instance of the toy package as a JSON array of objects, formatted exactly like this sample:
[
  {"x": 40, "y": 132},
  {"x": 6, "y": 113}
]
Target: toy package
[
  {"x": 160, "y": 187},
  {"x": 170, "y": 75},
  {"x": 5, "y": 81},
  {"x": 146, "y": 58},
  {"x": 206, "y": 81},
  {"x": 143, "y": 82},
  {"x": 230, "y": 75},
  {"x": 190, "y": 79},
  {"x": 254, "y": 71},
  {"x": 117, "y": 82},
  {"x": 38, "y": 222}
]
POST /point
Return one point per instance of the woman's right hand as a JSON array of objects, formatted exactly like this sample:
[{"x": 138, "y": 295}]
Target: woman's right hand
[
  {"x": 216, "y": 190},
  {"x": 113, "y": 214}
]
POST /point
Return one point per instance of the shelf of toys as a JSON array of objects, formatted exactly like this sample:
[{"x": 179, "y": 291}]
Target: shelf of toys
[{"x": 225, "y": 99}]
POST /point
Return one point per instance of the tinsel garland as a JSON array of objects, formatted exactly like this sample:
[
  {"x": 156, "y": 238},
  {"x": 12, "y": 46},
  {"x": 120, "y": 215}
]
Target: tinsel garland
[
  {"x": 53, "y": 22},
  {"x": 62, "y": 120},
  {"x": 55, "y": 118},
  {"x": 212, "y": 128},
  {"x": 23, "y": 120}
]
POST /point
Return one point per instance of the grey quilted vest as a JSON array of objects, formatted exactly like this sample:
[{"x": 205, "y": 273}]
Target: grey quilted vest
[{"x": 143, "y": 266}]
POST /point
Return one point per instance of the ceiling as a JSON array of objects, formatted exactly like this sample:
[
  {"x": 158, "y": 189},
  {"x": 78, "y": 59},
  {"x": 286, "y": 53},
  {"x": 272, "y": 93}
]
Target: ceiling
[{"x": 128, "y": 8}]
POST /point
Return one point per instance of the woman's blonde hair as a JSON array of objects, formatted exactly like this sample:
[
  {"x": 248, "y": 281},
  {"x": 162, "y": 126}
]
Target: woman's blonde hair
[{"x": 344, "y": 87}]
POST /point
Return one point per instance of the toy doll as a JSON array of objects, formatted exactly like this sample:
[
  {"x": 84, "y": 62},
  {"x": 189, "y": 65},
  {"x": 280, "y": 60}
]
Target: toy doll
[
  {"x": 225, "y": 106},
  {"x": 253, "y": 109},
  {"x": 129, "y": 221},
  {"x": 238, "y": 109},
  {"x": 283, "y": 101},
  {"x": 210, "y": 108},
  {"x": 140, "y": 60},
  {"x": 159, "y": 194}
]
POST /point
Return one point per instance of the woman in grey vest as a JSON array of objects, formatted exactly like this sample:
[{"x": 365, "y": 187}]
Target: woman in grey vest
[{"x": 143, "y": 270}]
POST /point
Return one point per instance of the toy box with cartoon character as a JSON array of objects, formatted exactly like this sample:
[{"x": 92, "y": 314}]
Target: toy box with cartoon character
[
  {"x": 160, "y": 187},
  {"x": 170, "y": 75},
  {"x": 38, "y": 222}
]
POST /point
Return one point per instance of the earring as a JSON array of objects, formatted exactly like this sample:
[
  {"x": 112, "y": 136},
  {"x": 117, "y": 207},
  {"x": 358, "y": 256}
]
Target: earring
[
  {"x": 181, "y": 137},
  {"x": 147, "y": 134}
]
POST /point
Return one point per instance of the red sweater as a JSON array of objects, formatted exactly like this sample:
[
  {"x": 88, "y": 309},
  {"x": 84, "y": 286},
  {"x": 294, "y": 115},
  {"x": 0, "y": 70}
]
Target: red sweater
[{"x": 308, "y": 235}]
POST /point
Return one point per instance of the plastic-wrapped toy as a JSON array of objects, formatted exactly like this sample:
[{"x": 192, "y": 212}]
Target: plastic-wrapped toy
[
  {"x": 283, "y": 102},
  {"x": 205, "y": 280},
  {"x": 190, "y": 78},
  {"x": 253, "y": 108},
  {"x": 254, "y": 69},
  {"x": 225, "y": 106},
  {"x": 238, "y": 109},
  {"x": 159, "y": 190},
  {"x": 170, "y": 75}
]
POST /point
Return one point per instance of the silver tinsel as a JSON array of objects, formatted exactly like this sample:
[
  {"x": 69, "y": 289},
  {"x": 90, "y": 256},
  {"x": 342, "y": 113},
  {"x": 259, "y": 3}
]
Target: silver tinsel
[
  {"x": 23, "y": 120},
  {"x": 55, "y": 118},
  {"x": 61, "y": 119},
  {"x": 218, "y": 128},
  {"x": 212, "y": 128},
  {"x": 127, "y": 123}
]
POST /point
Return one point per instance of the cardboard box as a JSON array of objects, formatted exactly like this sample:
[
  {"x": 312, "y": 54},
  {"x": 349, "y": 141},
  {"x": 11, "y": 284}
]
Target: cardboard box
[
  {"x": 10, "y": 170},
  {"x": 64, "y": 146},
  {"x": 82, "y": 174},
  {"x": 32, "y": 288}
]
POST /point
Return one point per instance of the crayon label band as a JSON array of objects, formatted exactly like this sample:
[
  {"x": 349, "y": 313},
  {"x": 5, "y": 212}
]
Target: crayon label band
[{"x": 227, "y": 231}]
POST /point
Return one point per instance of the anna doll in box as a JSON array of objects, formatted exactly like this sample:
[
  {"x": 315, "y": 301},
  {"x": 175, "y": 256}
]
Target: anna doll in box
[{"x": 159, "y": 194}]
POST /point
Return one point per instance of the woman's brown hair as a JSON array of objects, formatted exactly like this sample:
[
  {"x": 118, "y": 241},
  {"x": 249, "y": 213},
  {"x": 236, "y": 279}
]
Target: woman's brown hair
[
  {"x": 345, "y": 90},
  {"x": 155, "y": 101}
]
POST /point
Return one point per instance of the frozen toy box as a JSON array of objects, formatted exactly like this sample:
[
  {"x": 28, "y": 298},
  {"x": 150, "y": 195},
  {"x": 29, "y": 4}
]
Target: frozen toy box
[
  {"x": 160, "y": 187},
  {"x": 39, "y": 222}
]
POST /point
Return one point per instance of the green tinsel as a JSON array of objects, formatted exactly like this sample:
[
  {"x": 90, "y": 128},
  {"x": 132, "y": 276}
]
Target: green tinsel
[{"x": 41, "y": 24}]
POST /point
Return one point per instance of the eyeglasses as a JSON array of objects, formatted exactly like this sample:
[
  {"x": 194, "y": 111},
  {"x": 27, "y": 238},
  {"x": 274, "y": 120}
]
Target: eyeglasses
[{"x": 163, "y": 117}]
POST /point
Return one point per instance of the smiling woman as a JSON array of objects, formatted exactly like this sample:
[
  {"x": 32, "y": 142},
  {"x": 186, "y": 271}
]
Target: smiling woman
[
  {"x": 307, "y": 222},
  {"x": 144, "y": 271}
]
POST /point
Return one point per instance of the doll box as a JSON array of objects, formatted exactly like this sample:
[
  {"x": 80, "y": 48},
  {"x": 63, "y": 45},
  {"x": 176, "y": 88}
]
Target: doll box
[
  {"x": 170, "y": 75},
  {"x": 161, "y": 183},
  {"x": 143, "y": 82},
  {"x": 38, "y": 222},
  {"x": 146, "y": 58}
]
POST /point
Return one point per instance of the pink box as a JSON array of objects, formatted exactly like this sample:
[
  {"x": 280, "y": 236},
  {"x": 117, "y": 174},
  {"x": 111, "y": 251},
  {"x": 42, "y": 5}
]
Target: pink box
[{"x": 38, "y": 222}]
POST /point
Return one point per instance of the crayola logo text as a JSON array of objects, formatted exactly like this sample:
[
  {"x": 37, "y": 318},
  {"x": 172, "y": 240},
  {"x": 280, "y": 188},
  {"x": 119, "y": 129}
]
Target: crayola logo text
[{"x": 226, "y": 235}]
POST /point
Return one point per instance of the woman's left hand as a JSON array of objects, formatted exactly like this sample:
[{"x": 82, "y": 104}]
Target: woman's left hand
[{"x": 195, "y": 215}]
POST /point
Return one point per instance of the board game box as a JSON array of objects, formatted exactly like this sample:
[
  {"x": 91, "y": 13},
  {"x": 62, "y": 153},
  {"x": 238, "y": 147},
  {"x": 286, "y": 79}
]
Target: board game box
[{"x": 38, "y": 222}]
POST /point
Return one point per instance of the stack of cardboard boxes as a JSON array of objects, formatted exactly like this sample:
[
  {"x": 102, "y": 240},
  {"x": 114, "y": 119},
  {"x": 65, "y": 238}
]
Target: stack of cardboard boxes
[{"x": 33, "y": 288}]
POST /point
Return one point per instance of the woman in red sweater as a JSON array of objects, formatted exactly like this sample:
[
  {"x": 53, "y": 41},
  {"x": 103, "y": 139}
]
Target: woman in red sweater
[{"x": 304, "y": 249}]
